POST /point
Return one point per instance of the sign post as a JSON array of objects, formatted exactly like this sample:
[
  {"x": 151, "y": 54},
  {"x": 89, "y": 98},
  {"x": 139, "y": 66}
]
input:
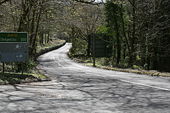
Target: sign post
[
  {"x": 3, "y": 67},
  {"x": 94, "y": 59}
]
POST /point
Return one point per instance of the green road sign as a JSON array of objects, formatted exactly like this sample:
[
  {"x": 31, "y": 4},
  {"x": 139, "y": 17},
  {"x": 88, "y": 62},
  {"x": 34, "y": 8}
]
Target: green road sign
[
  {"x": 13, "y": 37},
  {"x": 13, "y": 47}
]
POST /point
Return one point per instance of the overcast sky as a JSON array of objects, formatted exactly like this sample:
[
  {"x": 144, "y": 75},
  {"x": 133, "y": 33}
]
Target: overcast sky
[{"x": 99, "y": 0}]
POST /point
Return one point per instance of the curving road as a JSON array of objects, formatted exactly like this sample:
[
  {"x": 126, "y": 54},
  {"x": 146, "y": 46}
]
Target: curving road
[{"x": 79, "y": 89}]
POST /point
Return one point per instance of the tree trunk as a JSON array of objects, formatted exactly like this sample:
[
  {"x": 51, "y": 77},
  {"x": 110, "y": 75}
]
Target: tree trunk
[{"x": 132, "y": 39}]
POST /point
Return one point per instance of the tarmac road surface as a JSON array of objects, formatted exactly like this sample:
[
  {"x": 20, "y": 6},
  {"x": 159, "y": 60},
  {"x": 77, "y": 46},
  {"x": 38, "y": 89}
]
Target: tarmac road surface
[{"x": 76, "y": 88}]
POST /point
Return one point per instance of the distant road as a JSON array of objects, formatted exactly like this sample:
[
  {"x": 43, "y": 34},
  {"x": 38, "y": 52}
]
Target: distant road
[{"x": 76, "y": 88}]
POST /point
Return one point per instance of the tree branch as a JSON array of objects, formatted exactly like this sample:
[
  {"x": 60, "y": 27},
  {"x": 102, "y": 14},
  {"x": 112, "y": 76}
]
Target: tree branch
[{"x": 1, "y": 2}]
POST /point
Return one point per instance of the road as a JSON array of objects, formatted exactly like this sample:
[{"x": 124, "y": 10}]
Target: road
[{"x": 76, "y": 88}]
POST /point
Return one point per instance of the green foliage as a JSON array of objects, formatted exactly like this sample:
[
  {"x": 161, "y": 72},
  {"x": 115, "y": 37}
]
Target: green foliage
[
  {"x": 78, "y": 47},
  {"x": 102, "y": 29},
  {"x": 30, "y": 65},
  {"x": 112, "y": 13},
  {"x": 136, "y": 67},
  {"x": 105, "y": 61}
]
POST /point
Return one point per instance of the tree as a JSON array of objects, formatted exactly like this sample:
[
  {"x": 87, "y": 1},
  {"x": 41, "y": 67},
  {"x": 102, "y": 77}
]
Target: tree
[{"x": 112, "y": 17}]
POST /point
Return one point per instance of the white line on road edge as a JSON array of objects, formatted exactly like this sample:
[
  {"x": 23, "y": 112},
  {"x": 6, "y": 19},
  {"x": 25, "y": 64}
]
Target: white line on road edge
[{"x": 155, "y": 87}]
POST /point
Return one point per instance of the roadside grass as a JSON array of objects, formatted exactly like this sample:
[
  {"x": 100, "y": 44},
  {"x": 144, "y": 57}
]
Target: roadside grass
[
  {"x": 17, "y": 78},
  {"x": 31, "y": 75},
  {"x": 88, "y": 62}
]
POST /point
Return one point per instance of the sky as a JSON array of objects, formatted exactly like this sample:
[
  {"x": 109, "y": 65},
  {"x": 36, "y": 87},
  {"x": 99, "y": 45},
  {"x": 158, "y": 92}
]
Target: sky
[{"x": 100, "y": 0}]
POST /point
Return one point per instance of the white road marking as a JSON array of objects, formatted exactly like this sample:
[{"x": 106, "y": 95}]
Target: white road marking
[{"x": 146, "y": 85}]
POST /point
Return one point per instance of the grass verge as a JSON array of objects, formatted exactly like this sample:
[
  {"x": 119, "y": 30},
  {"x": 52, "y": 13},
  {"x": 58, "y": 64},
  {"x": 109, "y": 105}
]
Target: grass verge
[
  {"x": 17, "y": 78},
  {"x": 88, "y": 62}
]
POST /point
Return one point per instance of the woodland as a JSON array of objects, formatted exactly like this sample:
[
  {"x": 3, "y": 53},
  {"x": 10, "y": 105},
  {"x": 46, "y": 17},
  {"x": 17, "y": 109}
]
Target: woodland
[{"x": 139, "y": 29}]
